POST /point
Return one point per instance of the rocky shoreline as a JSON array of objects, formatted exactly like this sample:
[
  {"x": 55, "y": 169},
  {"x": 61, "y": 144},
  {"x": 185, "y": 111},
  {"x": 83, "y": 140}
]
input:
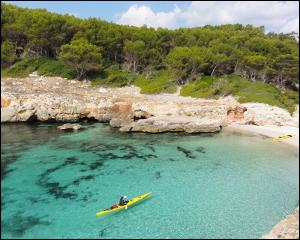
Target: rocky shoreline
[
  {"x": 56, "y": 99},
  {"x": 288, "y": 228}
]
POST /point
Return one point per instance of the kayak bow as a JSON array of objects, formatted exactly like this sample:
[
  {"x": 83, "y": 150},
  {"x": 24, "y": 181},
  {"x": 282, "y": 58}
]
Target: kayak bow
[{"x": 130, "y": 203}]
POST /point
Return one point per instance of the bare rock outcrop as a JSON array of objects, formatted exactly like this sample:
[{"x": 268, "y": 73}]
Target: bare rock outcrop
[
  {"x": 264, "y": 114},
  {"x": 119, "y": 122},
  {"x": 288, "y": 228},
  {"x": 16, "y": 108},
  {"x": 70, "y": 126},
  {"x": 173, "y": 124},
  {"x": 236, "y": 114}
]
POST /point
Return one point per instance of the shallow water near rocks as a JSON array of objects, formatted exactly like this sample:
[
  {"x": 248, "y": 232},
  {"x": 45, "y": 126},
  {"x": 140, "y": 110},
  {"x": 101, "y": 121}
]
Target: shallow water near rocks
[{"x": 204, "y": 186}]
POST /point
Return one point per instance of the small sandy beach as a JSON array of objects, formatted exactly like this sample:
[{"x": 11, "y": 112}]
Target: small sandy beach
[{"x": 269, "y": 131}]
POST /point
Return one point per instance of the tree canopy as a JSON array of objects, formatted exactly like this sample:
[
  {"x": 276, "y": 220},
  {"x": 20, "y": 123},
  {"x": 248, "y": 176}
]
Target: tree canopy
[
  {"x": 190, "y": 52},
  {"x": 7, "y": 54},
  {"x": 82, "y": 55}
]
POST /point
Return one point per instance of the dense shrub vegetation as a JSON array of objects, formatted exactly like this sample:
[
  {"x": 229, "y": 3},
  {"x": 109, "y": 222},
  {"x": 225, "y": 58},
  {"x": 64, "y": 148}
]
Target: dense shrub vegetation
[
  {"x": 43, "y": 66},
  {"x": 209, "y": 61},
  {"x": 215, "y": 87}
]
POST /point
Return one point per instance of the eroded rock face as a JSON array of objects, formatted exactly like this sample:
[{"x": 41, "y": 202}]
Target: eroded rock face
[
  {"x": 119, "y": 122},
  {"x": 16, "y": 108},
  {"x": 56, "y": 99},
  {"x": 236, "y": 114},
  {"x": 173, "y": 124}
]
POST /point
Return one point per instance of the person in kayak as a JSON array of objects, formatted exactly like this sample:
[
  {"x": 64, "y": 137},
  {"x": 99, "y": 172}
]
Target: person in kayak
[{"x": 123, "y": 201}]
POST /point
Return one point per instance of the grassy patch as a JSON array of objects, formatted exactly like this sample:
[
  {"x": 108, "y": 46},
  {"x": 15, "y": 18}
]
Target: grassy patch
[
  {"x": 56, "y": 68},
  {"x": 158, "y": 82},
  {"x": 112, "y": 76},
  {"x": 162, "y": 81},
  {"x": 43, "y": 66},
  {"x": 215, "y": 87}
]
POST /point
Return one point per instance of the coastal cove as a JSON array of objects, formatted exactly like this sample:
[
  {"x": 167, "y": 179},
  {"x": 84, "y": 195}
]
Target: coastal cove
[
  {"x": 222, "y": 143},
  {"x": 149, "y": 120},
  {"x": 56, "y": 181}
]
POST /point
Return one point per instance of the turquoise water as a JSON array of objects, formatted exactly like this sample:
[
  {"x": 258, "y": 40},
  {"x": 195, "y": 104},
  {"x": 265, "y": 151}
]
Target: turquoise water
[{"x": 204, "y": 186}]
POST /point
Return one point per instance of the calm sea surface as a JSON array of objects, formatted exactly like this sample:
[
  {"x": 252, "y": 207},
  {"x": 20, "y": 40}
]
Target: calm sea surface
[{"x": 204, "y": 186}]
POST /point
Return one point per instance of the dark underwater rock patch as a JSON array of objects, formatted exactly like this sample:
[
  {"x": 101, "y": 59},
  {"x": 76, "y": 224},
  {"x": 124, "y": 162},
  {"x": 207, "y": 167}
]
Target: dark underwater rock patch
[
  {"x": 86, "y": 197},
  {"x": 201, "y": 149},
  {"x": 97, "y": 164},
  {"x": 151, "y": 156},
  {"x": 187, "y": 153},
  {"x": 58, "y": 191},
  {"x": 54, "y": 188},
  {"x": 104, "y": 152},
  {"x": 76, "y": 182},
  {"x": 86, "y": 147},
  {"x": 2, "y": 203},
  {"x": 5, "y": 162},
  {"x": 109, "y": 156},
  {"x": 130, "y": 155},
  {"x": 70, "y": 160},
  {"x": 135, "y": 154},
  {"x": 49, "y": 171},
  {"x": 86, "y": 178},
  {"x": 34, "y": 200},
  {"x": 150, "y": 146},
  {"x": 127, "y": 147},
  {"x": 157, "y": 175},
  {"x": 17, "y": 225}
]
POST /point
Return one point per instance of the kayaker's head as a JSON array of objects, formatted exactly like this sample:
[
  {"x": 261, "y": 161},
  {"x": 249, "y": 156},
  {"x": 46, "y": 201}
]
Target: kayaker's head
[{"x": 124, "y": 197}]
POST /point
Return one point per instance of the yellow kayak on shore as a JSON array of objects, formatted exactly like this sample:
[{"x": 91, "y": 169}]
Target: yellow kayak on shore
[
  {"x": 281, "y": 138},
  {"x": 130, "y": 203}
]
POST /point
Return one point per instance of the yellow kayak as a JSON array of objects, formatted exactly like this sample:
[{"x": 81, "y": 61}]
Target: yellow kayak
[
  {"x": 118, "y": 207},
  {"x": 281, "y": 138}
]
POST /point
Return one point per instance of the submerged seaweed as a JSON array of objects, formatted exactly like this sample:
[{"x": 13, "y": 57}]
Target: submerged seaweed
[
  {"x": 54, "y": 188},
  {"x": 5, "y": 162},
  {"x": 18, "y": 224},
  {"x": 187, "y": 153},
  {"x": 97, "y": 164},
  {"x": 201, "y": 149}
]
